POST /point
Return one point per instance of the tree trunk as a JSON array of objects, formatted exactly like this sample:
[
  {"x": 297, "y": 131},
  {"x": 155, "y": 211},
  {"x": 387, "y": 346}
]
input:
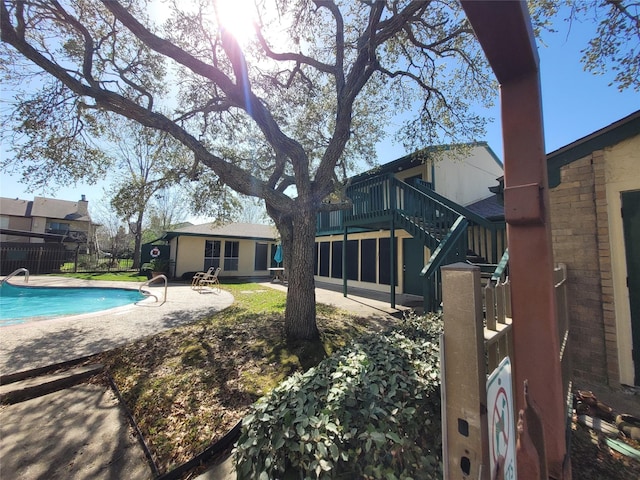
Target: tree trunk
[
  {"x": 298, "y": 244},
  {"x": 138, "y": 242}
]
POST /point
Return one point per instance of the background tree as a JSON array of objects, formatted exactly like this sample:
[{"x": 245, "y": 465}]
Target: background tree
[
  {"x": 168, "y": 209},
  {"x": 210, "y": 197},
  {"x": 616, "y": 44},
  {"x": 146, "y": 162},
  {"x": 253, "y": 211},
  {"x": 112, "y": 235},
  {"x": 283, "y": 117}
]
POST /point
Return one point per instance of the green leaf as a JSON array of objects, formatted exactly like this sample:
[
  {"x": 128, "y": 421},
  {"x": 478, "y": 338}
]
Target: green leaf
[
  {"x": 279, "y": 443},
  {"x": 332, "y": 427},
  {"x": 334, "y": 451},
  {"x": 393, "y": 436},
  {"x": 378, "y": 437},
  {"x": 322, "y": 449}
]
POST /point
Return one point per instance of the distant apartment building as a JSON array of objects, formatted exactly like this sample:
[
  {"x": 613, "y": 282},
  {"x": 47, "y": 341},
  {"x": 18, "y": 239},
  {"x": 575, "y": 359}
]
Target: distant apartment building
[
  {"x": 43, "y": 234},
  {"x": 44, "y": 220}
]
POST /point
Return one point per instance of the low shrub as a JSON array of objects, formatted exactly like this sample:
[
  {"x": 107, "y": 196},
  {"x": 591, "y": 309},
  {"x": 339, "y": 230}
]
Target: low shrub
[{"x": 372, "y": 410}]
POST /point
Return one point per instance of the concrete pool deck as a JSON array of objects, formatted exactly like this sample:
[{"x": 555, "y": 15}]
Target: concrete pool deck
[
  {"x": 41, "y": 343},
  {"x": 82, "y": 431}
]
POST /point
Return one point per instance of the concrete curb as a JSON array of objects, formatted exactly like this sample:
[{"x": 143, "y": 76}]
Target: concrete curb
[{"x": 38, "y": 386}]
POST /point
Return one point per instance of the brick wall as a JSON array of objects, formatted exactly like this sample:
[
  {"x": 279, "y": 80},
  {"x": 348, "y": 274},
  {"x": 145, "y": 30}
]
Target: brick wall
[{"x": 580, "y": 238}]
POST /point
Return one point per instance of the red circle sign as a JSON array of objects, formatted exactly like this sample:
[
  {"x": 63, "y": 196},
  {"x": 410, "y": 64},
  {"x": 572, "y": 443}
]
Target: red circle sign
[{"x": 500, "y": 425}]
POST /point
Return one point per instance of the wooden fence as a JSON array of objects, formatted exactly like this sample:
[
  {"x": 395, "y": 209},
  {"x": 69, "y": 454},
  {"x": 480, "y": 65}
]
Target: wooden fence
[{"x": 477, "y": 337}]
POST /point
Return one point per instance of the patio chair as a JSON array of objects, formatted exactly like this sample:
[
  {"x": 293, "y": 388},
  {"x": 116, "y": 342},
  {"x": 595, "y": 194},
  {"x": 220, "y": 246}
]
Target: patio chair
[
  {"x": 210, "y": 281},
  {"x": 199, "y": 276}
]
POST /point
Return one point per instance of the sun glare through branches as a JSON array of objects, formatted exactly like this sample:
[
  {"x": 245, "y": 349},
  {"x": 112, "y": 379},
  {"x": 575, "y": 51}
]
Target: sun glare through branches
[{"x": 238, "y": 17}]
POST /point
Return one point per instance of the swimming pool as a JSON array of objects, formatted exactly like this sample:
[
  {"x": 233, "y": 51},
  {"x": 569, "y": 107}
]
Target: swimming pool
[{"x": 17, "y": 304}]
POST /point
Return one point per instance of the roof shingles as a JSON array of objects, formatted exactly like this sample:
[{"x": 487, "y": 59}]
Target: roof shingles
[
  {"x": 59, "y": 209},
  {"x": 231, "y": 230}
]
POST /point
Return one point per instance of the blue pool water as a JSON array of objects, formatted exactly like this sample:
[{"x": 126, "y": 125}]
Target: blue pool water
[{"x": 20, "y": 303}]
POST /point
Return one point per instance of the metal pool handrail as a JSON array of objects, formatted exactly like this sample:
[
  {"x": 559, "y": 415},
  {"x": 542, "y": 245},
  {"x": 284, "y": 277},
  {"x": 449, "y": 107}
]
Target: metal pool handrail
[
  {"x": 149, "y": 294},
  {"x": 16, "y": 272}
]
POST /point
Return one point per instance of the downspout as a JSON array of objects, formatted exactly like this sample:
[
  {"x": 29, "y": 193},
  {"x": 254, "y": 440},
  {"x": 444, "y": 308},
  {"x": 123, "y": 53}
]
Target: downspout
[
  {"x": 433, "y": 176},
  {"x": 175, "y": 260},
  {"x": 392, "y": 262},
  {"x": 393, "y": 265},
  {"x": 344, "y": 261}
]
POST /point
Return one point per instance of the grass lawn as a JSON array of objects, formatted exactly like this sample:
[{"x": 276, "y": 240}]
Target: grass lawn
[{"x": 189, "y": 386}]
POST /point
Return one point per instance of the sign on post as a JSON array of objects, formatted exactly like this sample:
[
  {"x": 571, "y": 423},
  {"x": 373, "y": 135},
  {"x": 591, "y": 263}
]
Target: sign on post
[{"x": 502, "y": 433}]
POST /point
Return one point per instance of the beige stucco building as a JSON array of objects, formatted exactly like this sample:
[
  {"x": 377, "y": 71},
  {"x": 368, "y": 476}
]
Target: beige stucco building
[
  {"x": 421, "y": 182},
  {"x": 240, "y": 249}
]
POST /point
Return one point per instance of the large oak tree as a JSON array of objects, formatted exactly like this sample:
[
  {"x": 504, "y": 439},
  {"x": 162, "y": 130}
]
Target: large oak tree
[{"x": 282, "y": 117}]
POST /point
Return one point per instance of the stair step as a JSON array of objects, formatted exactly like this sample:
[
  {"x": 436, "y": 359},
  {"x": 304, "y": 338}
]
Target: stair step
[{"x": 33, "y": 387}]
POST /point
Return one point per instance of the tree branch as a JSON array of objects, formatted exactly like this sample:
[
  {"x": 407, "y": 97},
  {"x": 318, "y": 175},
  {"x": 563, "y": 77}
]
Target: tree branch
[
  {"x": 87, "y": 63},
  {"x": 617, "y": 4},
  {"x": 360, "y": 72},
  {"x": 235, "y": 177},
  {"x": 246, "y": 100},
  {"x": 297, "y": 58},
  {"x": 339, "y": 66}
]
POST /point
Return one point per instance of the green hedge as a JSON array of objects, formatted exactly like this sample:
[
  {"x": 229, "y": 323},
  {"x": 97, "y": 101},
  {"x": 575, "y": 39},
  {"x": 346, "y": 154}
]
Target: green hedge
[{"x": 371, "y": 410}]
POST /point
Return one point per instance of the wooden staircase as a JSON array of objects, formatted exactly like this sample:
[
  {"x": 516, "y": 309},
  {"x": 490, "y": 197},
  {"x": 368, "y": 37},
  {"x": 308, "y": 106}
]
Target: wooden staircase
[{"x": 451, "y": 232}]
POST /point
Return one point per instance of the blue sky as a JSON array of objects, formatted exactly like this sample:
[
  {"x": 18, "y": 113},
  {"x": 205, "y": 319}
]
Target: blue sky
[{"x": 575, "y": 103}]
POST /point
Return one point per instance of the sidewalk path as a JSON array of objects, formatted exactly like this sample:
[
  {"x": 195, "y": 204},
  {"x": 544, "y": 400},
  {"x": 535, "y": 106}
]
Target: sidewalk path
[
  {"x": 78, "y": 433},
  {"x": 374, "y": 306}
]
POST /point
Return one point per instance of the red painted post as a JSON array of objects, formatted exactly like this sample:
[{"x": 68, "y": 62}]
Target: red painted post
[{"x": 504, "y": 31}]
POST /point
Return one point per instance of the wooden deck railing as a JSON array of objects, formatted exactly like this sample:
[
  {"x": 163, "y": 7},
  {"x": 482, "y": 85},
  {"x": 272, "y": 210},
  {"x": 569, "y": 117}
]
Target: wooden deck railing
[
  {"x": 498, "y": 320},
  {"x": 476, "y": 338}
]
